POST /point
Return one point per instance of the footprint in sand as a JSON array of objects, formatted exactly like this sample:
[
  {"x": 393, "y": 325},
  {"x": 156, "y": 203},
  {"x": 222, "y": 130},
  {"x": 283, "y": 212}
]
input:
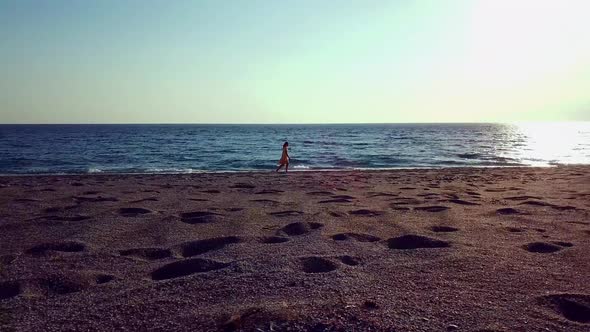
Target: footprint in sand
[
  {"x": 211, "y": 191},
  {"x": 133, "y": 212},
  {"x": 349, "y": 260},
  {"x": 234, "y": 209},
  {"x": 104, "y": 278},
  {"x": 355, "y": 236},
  {"x": 563, "y": 244},
  {"x": 198, "y": 247},
  {"x": 317, "y": 265},
  {"x": 198, "y": 199},
  {"x": 300, "y": 228},
  {"x": 536, "y": 203},
  {"x": 243, "y": 186},
  {"x": 406, "y": 201},
  {"x": 434, "y": 208},
  {"x": 235, "y": 320},
  {"x": 199, "y": 217},
  {"x": 147, "y": 253},
  {"x": 407, "y": 188},
  {"x": 25, "y": 200},
  {"x": 71, "y": 282},
  {"x": 542, "y": 247},
  {"x": 515, "y": 229},
  {"x": 9, "y": 289},
  {"x": 338, "y": 199},
  {"x": 269, "y": 201},
  {"x": 428, "y": 195},
  {"x": 521, "y": 198},
  {"x": 564, "y": 207},
  {"x": 273, "y": 239},
  {"x": 366, "y": 213},
  {"x": 412, "y": 241},
  {"x": 473, "y": 193},
  {"x": 56, "y": 209},
  {"x": 321, "y": 193},
  {"x": 335, "y": 200},
  {"x": 347, "y": 197},
  {"x": 573, "y": 307},
  {"x": 60, "y": 285},
  {"x": 443, "y": 229},
  {"x": 269, "y": 192},
  {"x": 186, "y": 268},
  {"x": 382, "y": 194},
  {"x": 507, "y": 211},
  {"x": 289, "y": 213},
  {"x": 451, "y": 196},
  {"x": 64, "y": 246},
  {"x": 147, "y": 199},
  {"x": 77, "y": 217},
  {"x": 495, "y": 190},
  {"x": 94, "y": 199},
  {"x": 150, "y": 191},
  {"x": 462, "y": 202},
  {"x": 6, "y": 259}
]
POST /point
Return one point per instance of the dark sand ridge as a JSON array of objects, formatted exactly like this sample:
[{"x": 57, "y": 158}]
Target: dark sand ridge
[{"x": 495, "y": 249}]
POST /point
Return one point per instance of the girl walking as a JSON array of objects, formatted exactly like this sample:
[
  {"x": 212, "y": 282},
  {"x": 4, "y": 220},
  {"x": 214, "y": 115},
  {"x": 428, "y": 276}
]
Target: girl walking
[{"x": 284, "y": 158}]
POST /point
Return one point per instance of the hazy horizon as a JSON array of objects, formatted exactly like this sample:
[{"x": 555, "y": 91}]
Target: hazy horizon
[
  {"x": 540, "y": 122},
  {"x": 265, "y": 62}
]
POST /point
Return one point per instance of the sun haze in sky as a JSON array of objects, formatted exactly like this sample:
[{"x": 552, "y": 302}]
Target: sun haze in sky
[{"x": 117, "y": 61}]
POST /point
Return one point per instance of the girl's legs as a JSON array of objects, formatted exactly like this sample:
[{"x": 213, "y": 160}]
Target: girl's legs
[
  {"x": 286, "y": 167},
  {"x": 280, "y": 166}
]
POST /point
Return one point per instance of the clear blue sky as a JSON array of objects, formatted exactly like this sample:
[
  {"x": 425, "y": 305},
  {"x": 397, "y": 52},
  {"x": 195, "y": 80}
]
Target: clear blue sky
[{"x": 118, "y": 61}]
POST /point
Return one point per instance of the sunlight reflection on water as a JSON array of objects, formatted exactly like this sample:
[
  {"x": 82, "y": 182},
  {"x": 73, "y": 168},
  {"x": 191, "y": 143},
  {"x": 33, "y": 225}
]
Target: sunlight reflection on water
[{"x": 541, "y": 144}]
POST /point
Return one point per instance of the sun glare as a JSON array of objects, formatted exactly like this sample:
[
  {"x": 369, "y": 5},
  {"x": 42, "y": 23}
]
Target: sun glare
[{"x": 542, "y": 144}]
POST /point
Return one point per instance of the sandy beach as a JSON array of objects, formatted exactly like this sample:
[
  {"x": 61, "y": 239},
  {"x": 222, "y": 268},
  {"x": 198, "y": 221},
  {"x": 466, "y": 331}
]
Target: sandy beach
[{"x": 466, "y": 249}]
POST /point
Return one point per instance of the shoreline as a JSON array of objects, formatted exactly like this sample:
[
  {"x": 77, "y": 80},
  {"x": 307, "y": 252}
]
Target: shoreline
[
  {"x": 323, "y": 170},
  {"x": 469, "y": 249}
]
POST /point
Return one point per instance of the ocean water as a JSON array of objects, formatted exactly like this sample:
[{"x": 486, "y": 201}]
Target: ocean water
[{"x": 58, "y": 149}]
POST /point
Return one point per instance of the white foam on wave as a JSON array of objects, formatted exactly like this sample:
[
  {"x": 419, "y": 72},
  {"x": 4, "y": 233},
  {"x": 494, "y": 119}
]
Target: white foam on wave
[{"x": 173, "y": 170}]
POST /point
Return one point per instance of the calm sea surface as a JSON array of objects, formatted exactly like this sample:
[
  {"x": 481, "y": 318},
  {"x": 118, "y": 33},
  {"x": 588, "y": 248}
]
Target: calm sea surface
[{"x": 33, "y": 149}]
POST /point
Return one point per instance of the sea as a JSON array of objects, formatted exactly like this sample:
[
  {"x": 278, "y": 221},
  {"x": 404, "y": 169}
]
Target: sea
[{"x": 193, "y": 148}]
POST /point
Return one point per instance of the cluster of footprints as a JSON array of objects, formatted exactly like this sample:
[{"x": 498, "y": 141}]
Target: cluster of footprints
[
  {"x": 574, "y": 307},
  {"x": 54, "y": 283}
]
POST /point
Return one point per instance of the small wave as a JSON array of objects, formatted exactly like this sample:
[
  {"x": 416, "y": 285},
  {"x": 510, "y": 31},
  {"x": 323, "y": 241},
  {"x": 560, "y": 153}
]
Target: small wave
[
  {"x": 502, "y": 159},
  {"x": 498, "y": 164},
  {"x": 449, "y": 163},
  {"x": 173, "y": 170},
  {"x": 469, "y": 155},
  {"x": 327, "y": 143}
]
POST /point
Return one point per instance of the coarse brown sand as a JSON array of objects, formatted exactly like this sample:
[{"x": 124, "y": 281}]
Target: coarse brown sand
[{"x": 465, "y": 249}]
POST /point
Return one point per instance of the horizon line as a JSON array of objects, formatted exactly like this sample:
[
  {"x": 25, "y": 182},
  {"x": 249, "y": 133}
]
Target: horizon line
[{"x": 279, "y": 124}]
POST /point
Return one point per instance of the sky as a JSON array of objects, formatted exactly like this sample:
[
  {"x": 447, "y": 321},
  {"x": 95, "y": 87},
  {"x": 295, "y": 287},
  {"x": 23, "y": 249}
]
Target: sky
[{"x": 305, "y": 61}]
